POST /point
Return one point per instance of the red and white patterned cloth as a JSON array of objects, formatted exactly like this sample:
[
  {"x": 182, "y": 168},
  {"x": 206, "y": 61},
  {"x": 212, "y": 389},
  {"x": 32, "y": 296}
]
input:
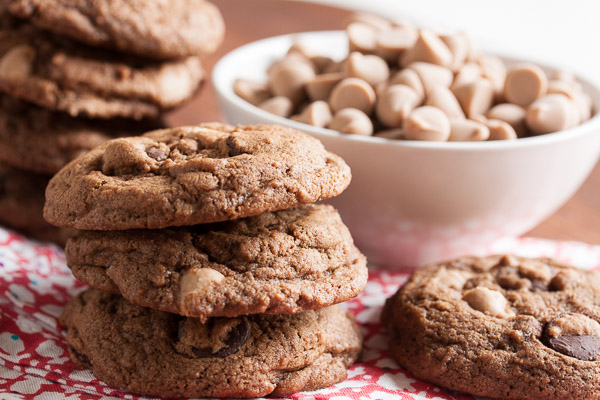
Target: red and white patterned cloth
[{"x": 35, "y": 284}]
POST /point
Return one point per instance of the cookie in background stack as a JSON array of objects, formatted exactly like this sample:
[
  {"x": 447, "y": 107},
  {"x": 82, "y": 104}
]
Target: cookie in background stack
[
  {"x": 241, "y": 273},
  {"x": 62, "y": 97}
]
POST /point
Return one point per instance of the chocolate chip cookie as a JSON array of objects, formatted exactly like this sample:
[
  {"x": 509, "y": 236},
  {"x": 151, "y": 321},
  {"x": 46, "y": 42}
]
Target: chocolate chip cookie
[
  {"x": 193, "y": 175},
  {"x": 158, "y": 28},
  {"x": 43, "y": 141},
  {"x": 161, "y": 354},
  {"x": 282, "y": 262},
  {"x": 500, "y": 327},
  {"x": 22, "y": 202},
  {"x": 63, "y": 76}
]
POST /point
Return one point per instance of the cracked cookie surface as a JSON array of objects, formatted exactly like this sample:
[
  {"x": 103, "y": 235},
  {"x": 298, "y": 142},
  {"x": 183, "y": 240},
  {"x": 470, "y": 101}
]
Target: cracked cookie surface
[
  {"x": 193, "y": 175},
  {"x": 157, "y": 28},
  {"x": 282, "y": 262},
  {"x": 162, "y": 354},
  {"x": 43, "y": 141},
  {"x": 500, "y": 327},
  {"x": 64, "y": 76}
]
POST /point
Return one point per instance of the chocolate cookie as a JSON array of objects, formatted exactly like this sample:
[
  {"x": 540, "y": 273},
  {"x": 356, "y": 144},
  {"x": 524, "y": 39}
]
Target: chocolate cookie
[
  {"x": 500, "y": 327},
  {"x": 43, "y": 141},
  {"x": 161, "y": 354},
  {"x": 193, "y": 175},
  {"x": 158, "y": 28},
  {"x": 282, "y": 262},
  {"x": 22, "y": 202},
  {"x": 80, "y": 80}
]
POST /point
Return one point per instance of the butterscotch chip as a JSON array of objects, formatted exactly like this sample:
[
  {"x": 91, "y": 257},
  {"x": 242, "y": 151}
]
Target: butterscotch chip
[
  {"x": 442, "y": 98},
  {"x": 428, "y": 48},
  {"x": 409, "y": 78},
  {"x": 488, "y": 301},
  {"x": 464, "y": 130},
  {"x": 291, "y": 60},
  {"x": 583, "y": 101},
  {"x": 351, "y": 120},
  {"x": 352, "y": 93},
  {"x": 193, "y": 175},
  {"x": 372, "y": 69},
  {"x": 458, "y": 44},
  {"x": 303, "y": 49},
  {"x": 512, "y": 114},
  {"x": 482, "y": 119},
  {"x": 158, "y": 29},
  {"x": 373, "y": 20},
  {"x": 427, "y": 123},
  {"x": 63, "y": 76},
  {"x": 320, "y": 87},
  {"x": 395, "y": 103},
  {"x": 278, "y": 105},
  {"x": 572, "y": 90},
  {"x": 253, "y": 92},
  {"x": 517, "y": 333},
  {"x": 432, "y": 75},
  {"x": 525, "y": 84},
  {"x": 361, "y": 37},
  {"x": 288, "y": 80},
  {"x": 476, "y": 97},
  {"x": 165, "y": 355},
  {"x": 567, "y": 88},
  {"x": 493, "y": 69},
  {"x": 391, "y": 43},
  {"x": 467, "y": 73},
  {"x": 552, "y": 113},
  {"x": 500, "y": 130},
  {"x": 234, "y": 268},
  {"x": 316, "y": 114}
]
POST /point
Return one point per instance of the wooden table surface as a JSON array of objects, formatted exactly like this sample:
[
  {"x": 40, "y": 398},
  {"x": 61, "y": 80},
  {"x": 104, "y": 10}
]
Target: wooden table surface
[{"x": 250, "y": 20}]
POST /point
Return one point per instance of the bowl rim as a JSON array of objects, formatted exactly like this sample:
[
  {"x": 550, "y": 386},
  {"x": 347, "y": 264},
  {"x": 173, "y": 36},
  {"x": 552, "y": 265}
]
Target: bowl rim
[{"x": 223, "y": 84}]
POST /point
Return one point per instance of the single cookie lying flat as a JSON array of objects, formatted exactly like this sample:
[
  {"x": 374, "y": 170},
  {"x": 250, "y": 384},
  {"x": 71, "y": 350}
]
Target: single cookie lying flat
[
  {"x": 162, "y": 354},
  {"x": 22, "y": 202},
  {"x": 500, "y": 327},
  {"x": 43, "y": 141},
  {"x": 282, "y": 262},
  {"x": 80, "y": 80},
  {"x": 158, "y": 28},
  {"x": 193, "y": 175}
]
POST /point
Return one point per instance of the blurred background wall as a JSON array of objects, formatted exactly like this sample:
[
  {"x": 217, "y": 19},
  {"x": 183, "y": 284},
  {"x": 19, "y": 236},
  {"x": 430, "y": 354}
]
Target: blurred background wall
[{"x": 561, "y": 32}]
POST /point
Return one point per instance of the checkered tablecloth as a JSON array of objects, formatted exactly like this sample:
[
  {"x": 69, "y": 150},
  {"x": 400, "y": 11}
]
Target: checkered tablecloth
[{"x": 35, "y": 284}]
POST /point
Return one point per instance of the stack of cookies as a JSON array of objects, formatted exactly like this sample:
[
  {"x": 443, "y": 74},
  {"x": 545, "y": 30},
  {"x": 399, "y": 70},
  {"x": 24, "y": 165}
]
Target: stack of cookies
[
  {"x": 75, "y": 74},
  {"x": 213, "y": 275}
]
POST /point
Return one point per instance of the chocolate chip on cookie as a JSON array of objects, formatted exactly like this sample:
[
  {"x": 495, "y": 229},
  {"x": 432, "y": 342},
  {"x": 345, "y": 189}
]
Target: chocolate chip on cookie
[
  {"x": 157, "y": 28},
  {"x": 281, "y": 262},
  {"x": 160, "y": 354},
  {"x": 193, "y": 175},
  {"x": 500, "y": 327}
]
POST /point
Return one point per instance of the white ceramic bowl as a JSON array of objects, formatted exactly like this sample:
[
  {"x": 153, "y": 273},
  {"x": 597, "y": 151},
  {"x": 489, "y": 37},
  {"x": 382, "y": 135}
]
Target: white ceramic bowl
[{"x": 416, "y": 202}]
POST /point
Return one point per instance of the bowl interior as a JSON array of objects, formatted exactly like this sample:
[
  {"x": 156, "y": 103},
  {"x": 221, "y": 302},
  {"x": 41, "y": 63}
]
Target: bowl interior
[{"x": 251, "y": 62}]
